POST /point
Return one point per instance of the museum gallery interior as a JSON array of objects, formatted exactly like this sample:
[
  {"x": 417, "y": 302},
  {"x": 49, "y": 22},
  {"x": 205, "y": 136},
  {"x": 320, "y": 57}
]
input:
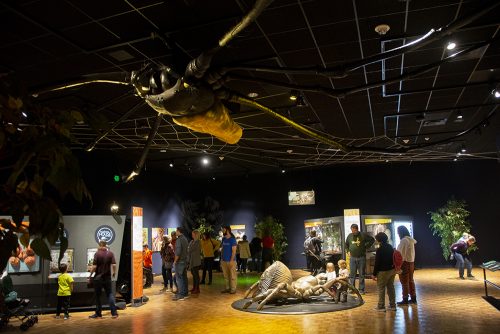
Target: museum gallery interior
[{"x": 122, "y": 120}]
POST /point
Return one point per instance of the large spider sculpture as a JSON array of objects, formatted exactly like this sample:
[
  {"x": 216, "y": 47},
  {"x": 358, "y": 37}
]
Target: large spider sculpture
[
  {"x": 196, "y": 98},
  {"x": 276, "y": 283}
]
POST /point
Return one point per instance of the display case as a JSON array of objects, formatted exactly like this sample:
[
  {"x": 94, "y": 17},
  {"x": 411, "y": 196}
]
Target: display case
[{"x": 329, "y": 230}]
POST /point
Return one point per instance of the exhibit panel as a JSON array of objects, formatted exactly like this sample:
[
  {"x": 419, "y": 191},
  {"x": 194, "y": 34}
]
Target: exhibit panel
[
  {"x": 83, "y": 232},
  {"x": 387, "y": 224},
  {"x": 137, "y": 236}
]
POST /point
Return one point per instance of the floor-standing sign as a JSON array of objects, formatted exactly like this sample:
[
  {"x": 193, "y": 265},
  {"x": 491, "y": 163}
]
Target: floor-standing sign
[{"x": 137, "y": 244}]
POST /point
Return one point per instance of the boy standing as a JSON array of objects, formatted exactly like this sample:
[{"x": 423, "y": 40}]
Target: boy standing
[{"x": 65, "y": 282}]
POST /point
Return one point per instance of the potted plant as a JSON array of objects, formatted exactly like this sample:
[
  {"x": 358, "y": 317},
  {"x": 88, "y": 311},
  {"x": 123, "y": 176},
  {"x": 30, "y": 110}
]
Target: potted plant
[{"x": 272, "y": 227}]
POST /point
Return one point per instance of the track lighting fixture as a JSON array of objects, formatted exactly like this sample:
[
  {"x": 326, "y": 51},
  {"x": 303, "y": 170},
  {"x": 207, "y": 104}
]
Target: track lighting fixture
[{"x": 294, "y": 95}]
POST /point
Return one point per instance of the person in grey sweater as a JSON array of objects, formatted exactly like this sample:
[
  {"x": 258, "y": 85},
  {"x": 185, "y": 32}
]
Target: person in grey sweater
[{"x": 194, "y": 260}]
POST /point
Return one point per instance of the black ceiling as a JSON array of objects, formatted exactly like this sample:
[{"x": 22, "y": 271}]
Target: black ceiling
[{"x": 413, "y": 119}]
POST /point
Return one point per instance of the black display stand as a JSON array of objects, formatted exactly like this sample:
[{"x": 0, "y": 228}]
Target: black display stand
[{"x": 491, "y": 266}]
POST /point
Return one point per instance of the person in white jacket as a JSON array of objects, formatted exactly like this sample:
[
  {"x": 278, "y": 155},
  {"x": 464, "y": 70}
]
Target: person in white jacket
[{"x": 407, "y": 249}]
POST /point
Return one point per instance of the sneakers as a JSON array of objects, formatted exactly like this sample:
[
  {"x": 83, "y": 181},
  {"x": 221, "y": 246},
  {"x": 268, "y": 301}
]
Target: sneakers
[
  {"x": 470, "y": 276},
  {"x": 176, "y": 298},
  {"x": 392, "y": 308},
  {"x": 114, "y": 316},
  {"x": 57, "y": 317},
  {"x": 461, "y": 277},
  {"x": 379, "y": 309},
  {"x": 95, "y": 316},
  {"x": 163, "y": 290},
  {"x": 66, "y": 317},
  {"x": 403, "y": 302},
  {"x": 225, "y": 291}
]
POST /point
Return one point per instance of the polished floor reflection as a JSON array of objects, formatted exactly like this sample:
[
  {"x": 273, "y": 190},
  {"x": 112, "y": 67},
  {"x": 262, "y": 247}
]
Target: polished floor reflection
[{"x": 446, "y": 305}]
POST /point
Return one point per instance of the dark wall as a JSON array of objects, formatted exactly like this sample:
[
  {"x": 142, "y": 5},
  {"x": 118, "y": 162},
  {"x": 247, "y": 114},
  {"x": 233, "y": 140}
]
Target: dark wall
[{"x": 385, "y": 189}]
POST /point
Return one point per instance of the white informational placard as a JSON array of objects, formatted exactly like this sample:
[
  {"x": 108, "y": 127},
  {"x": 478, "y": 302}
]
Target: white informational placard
[
  {"x": 351, "y": 216},
  {"x": 409, "y": 226},
  {"x": 137, "y": 244}
]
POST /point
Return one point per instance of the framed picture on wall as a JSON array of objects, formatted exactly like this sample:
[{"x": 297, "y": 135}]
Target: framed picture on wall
[
  {"x": 157, "y": 238},
  {"x": 24, "y": 261},
  {"x": 145, "y": 235},
  {"x": 67, "y": 259},
  {"x": 90, "y": 257}
]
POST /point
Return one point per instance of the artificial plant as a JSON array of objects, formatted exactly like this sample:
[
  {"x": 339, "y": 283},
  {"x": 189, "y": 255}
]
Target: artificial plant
[
  {"x": 450, "y": 222},
  {"x": 270, "y": 226},
  {"x": 38, "y": 170}
]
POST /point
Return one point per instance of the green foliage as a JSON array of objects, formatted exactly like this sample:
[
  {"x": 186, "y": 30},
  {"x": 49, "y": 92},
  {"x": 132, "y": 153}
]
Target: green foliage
[
  {"x": 206, "y": 215},
  {"x": 449, "y": 223},
  {"x": 270, "y": 226},
  {"x": 39, "y": 170}
]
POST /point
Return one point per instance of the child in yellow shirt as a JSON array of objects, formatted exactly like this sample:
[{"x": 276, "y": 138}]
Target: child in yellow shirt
[{"x": 65, "y": 282}]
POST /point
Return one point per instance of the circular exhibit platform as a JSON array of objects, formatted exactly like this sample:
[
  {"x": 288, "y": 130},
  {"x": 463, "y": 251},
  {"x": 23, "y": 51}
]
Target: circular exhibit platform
[{"x": 318, "y": 304}]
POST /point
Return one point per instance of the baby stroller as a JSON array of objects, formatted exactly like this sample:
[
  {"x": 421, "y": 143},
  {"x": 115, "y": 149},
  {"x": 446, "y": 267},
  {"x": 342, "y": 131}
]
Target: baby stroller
[{"x": 13, "y": 307}]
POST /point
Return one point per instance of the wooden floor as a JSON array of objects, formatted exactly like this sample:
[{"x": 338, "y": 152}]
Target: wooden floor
[{"x": 446, "y": 305}]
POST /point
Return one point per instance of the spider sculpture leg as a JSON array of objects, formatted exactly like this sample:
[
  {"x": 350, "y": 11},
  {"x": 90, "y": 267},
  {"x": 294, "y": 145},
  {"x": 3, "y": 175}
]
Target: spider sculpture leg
[
  {"x": 271, "y": 294},
  {"x": 319, "y": 289},
  {"x": 258, "y": 298},
  {"x": 251, "y": 289}
]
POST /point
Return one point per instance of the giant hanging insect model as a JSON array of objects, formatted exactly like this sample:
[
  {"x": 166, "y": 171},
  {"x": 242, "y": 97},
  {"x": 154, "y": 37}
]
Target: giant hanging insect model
[{"x": 196, "y": 98}]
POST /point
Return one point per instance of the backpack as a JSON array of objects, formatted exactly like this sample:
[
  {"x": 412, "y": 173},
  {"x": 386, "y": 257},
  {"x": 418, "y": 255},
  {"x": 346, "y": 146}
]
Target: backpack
[{"x": 397, "y": 261}]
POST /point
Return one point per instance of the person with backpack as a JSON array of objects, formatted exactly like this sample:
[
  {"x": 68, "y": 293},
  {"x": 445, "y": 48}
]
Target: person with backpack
[
  {"x": 384, "y": 273},
  {"x": 407, "y": 249}
]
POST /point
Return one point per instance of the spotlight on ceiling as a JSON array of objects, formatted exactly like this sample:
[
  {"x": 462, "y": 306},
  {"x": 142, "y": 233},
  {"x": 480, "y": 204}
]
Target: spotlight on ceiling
[
  {"x": 252, "y": 95},
  {"x": 283, "y": 171},
  {"x": 463, "y": 150},
  {"x": 496, "y": 93},
  {"x": 426, "y": 138},
  {"x": 382, "y": 29},
  {"x": 25, "y": 115},
  {"x": 455, "y": 159},
  {"x": 451, "y": 45},
  {"x": 459, "y": 115},
  {"x": 294, "y": 95},
  {"x": 114, "y": 208},
  {"x": 171, "y": 164},
  {"x": 205, "y": 161}
]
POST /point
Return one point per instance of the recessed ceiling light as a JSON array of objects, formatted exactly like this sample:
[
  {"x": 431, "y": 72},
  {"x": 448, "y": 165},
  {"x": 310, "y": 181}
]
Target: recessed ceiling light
[
  {"x": 387, "y": 161},
  {"x": 283, "y": 171},
  {"x": 451, "y": 45},
  {"x": 496, "y": 93},
  {"x": 464, "y": 150},
  {"x": 406, "y": 141},
  {"x": 455, "y": 159},
  {"x": 426, "y": 138},
  {"x": 171, "y": 165},
  {"x": 289, "y": 151},
  {"x": 205, "y": 161},
  {"x": 163, "y": 151},
  {"x": 382, "y": 29},
  {"x": 253, "y": 94}
]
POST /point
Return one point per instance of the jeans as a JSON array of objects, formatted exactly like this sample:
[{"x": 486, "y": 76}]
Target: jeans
[
  {"x": 256, "y": 261},
  {"x": 148, "y": 273},
  {"x": 357, "y": 264},
  {"x": 229, "y": 272},
  {"x": 267, "y": 258},
  {"x": 385, "y": 279},
  {"x": 99, "y": 284},
  {"x": 195, "y": 271},
  {"x": 406, "y": 279},
  {"x": 181, "y": 278},
  {"x": 243, "y": 268},
  {"x": 461, "y": 260},
  {"x": 208, "y": 262},
  {"x": 63, "y": 302},
  {"x": 167, "y": 276}
]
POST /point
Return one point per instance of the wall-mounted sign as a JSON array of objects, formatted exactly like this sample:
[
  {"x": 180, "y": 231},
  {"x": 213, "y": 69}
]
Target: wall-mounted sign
[
  {"x": 105, "y": 233},
  {"x": 301, "y": 197},
  {"x": 370, "y": 221}
]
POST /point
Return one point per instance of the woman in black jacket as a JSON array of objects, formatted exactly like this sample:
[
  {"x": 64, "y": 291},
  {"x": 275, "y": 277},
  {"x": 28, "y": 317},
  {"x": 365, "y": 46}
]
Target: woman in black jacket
[{"x": 384, "y": 273}]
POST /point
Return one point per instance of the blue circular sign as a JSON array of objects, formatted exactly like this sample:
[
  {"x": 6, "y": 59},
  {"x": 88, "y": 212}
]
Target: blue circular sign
[{"x": 105, "y": 233}]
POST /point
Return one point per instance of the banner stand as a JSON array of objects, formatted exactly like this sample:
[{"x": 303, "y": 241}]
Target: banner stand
[{"x": 137, "y": 297}]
